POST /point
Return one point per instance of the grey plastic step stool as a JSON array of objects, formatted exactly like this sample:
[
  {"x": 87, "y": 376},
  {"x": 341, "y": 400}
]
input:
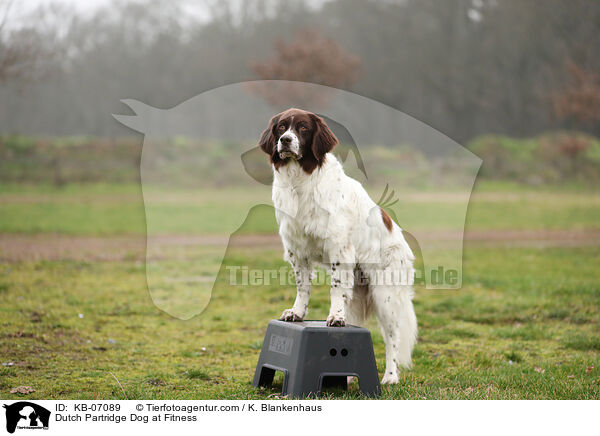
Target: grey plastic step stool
[{"x": 313, "y": 356}]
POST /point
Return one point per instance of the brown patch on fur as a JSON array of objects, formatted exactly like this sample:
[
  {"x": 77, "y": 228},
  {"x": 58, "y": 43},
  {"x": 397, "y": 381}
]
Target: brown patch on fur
[{"x": 387, "y": 220}]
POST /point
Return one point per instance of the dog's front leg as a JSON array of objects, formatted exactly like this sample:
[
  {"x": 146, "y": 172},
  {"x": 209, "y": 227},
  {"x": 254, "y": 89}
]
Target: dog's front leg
[
  {"x": 342, "y": 283},
  {"x": 303, "y": 275}
]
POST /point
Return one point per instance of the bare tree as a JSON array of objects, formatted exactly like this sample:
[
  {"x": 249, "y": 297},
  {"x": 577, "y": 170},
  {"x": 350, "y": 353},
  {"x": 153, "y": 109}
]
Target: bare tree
[
  {"x": 309, "y": 57},
  {"x": 19, "y": 47}
]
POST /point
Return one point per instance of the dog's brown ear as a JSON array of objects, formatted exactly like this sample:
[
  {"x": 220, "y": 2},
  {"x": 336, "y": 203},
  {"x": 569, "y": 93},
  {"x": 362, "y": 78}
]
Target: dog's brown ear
[
  {"x": 323, "y": 139},
  {"x": 267, "y": 139}
]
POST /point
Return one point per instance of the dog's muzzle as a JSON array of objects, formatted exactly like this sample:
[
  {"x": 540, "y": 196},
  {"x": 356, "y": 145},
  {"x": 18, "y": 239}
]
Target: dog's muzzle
[
  {"x": 284, "y": 154},
  {"x": 288, "y": 147}
]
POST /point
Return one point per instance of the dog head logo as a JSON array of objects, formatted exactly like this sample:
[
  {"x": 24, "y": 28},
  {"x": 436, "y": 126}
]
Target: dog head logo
[
  {"x": 26, "y": 415},
  {"x": 224, "y": 125}
]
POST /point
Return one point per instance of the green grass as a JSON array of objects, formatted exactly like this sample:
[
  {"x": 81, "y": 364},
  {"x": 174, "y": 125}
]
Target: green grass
[
  {"x": 520, "y": 308},
  {"x": 525, "y": 325},
  {"x": 113, "y": 209}
]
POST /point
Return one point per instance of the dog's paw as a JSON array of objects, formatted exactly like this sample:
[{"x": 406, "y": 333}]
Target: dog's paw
[
  {"x": 389, "y": 379},
  {"x": 291, "y": 316},
  {"x": 336, "y": 321}
]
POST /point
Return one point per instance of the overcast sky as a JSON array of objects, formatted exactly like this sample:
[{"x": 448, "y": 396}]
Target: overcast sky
[
  {"x": 23, "y": 6},
  {"x": 20, "y": 8},
  {"x": 193, "y": 9}
]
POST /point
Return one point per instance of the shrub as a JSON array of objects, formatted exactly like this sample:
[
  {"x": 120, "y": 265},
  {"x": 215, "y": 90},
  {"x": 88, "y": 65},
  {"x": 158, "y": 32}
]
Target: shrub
[{"x": 548, "y": 158}]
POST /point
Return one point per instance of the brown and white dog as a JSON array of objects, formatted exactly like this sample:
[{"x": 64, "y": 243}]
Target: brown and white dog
[{"x": 327, "y": 218}]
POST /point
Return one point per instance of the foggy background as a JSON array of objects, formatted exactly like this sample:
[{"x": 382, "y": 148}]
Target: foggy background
[{"x": 464, "y": 67}]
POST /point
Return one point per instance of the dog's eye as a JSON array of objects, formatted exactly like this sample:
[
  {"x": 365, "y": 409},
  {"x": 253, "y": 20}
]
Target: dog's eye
[
  {"x": 281, "y": 127},
  {"x": 303, "y": 128}
]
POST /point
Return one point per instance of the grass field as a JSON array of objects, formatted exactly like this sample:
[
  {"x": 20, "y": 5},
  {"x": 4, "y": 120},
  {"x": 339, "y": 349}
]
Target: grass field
[
  {"x": 525, "y": 325},
  {"x": 104, "y": 209}
]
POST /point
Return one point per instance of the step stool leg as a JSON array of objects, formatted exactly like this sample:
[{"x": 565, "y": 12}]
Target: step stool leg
[{"x": 369, "y": 384}]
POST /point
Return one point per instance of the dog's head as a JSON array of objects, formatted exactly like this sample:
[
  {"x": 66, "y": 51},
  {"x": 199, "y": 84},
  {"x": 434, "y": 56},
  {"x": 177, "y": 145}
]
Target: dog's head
[{"x": 297, "y": 135}]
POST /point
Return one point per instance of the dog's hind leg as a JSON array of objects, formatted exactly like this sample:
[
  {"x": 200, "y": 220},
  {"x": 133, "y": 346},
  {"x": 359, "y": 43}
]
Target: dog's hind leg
[
  {"x": 358, "y": 308},
  {"x": 398, "y": 322}
]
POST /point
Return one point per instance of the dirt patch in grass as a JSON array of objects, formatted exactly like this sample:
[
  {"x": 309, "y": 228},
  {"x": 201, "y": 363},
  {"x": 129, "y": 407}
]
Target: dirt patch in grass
[
  {"x": 21, "y": 247},
  {"x": 16, "y": 248}
]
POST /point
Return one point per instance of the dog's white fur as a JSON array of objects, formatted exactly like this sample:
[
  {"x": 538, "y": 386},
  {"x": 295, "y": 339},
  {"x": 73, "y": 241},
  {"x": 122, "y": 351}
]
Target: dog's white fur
[{"x": 327, "y": 218}]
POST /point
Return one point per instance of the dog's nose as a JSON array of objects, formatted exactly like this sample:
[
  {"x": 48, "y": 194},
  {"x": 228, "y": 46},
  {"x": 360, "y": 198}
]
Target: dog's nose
[{"x": 285, "y": 140}]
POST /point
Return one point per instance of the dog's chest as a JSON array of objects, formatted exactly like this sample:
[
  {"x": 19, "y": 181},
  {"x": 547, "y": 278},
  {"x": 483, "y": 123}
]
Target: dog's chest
[
  {"x": 309, "y": 207},
  {"x": 301, "y": 214}
]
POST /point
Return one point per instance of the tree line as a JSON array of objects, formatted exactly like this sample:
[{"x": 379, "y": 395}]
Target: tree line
[{"x": 465, "y": 67}]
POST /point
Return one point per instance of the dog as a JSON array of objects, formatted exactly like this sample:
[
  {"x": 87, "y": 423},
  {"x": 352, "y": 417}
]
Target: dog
[{"x": 327, "y": 219}]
